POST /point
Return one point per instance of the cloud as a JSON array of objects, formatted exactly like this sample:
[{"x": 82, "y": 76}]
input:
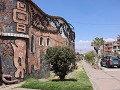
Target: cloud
[
  {"x": 83, "y": 46},
  {"x": 109, "y": 39}
]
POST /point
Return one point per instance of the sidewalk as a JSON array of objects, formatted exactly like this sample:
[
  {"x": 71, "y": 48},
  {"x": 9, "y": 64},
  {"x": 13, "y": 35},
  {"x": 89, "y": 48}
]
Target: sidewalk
[{"x": 100, "y": 79}]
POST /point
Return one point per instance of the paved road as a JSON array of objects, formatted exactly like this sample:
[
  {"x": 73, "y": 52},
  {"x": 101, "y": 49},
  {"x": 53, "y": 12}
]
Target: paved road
[{"x": 105, "y": 79}]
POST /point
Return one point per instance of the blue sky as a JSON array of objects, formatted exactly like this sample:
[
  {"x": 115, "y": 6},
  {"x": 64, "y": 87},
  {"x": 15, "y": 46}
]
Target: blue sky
[{"x": 90, "y": 18}]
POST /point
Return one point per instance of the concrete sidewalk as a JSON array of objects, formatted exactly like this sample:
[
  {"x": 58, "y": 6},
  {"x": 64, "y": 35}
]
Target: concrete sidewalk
[{"x": 100, "y": 79}]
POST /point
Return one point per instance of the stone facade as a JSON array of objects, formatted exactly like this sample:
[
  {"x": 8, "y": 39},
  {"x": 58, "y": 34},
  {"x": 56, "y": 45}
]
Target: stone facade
[{"x": 25, "y": 34}]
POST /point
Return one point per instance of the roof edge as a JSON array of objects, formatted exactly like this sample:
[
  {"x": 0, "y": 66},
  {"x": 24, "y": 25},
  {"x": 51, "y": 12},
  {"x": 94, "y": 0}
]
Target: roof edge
[{"x": 57, "y": 17}]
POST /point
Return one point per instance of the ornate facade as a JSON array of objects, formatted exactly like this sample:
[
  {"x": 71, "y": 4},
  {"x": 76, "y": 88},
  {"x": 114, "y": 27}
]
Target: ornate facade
[{"x": 25, "y": 34}]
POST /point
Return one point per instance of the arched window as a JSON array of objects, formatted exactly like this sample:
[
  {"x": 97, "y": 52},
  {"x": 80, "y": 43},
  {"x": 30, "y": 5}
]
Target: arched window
[
  {"x": 32, "y": 44},
  {"x": 41, "y": 41},
  {"x": 48, "y": 41}
]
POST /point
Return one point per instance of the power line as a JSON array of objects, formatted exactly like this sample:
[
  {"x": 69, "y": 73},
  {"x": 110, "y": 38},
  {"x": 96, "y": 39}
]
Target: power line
[{"x": 94, "y": 24}]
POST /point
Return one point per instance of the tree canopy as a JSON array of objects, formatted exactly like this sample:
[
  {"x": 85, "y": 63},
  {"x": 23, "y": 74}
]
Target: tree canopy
[
  {"x": 60, "y": 59},
  {"x": 96, "y": 43}
]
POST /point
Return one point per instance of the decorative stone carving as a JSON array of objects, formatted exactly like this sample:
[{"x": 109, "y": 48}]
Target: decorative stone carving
[
  {"x": 43, "y": 22},
  {"x": 20, "y": 16},
  {"x": 21, "y": 28},
  {"x": 19, "y": 57},
  {"x": 21, "y": 6}
]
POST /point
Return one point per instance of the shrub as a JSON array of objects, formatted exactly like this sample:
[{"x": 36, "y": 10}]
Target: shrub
[
  {"x": 90, "y": 57},
  {"x": 60, "y": 59},
  {"x": 76, "y": 80}
]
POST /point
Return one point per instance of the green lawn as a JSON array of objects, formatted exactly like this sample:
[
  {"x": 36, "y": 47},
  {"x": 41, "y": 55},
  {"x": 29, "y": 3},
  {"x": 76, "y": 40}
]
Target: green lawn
[{"x": 77, "y": 80}]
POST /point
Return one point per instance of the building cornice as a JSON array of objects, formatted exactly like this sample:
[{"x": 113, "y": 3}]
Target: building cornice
[{"x": 56, "y": 17}]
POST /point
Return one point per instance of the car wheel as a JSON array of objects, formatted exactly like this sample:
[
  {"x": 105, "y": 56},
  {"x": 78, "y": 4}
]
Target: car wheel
[
  {"x": 118, "y": 66},
  {"x": 101, "y": 64}
]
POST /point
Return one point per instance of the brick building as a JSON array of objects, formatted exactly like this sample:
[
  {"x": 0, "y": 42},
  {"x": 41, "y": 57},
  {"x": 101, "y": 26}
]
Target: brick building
[
  {"x": 116, "y": 46},
  {"x": 108, "y": 46},
  {"x": 25, "y": 34}
]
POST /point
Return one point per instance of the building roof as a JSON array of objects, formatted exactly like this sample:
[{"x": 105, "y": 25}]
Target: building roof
[{"x": 57, "y": 17}]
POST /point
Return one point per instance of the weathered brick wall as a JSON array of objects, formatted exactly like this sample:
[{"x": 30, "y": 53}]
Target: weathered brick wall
[
  {"x": 22, "y": 24},
  {"x": 6, "y": 11}
]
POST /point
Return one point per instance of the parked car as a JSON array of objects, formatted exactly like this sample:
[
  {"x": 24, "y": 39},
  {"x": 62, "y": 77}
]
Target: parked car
[{"x": 110, "y": 61}]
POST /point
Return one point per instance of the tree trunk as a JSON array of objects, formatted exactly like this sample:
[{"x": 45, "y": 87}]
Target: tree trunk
[
  {"x": 62, "y": 77},
  {"x": 96, "y": 61}
]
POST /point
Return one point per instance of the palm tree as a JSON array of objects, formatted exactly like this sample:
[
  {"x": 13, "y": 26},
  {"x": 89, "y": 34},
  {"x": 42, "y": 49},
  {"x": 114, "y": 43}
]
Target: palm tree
[{"x": 97, "y": 42}]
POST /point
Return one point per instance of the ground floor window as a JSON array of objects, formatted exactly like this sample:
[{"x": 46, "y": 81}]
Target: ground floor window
[
  {"x": 48, "y": 42},
  {"x": 32, "y": 44},
  {"x": 41, "y": 41}
]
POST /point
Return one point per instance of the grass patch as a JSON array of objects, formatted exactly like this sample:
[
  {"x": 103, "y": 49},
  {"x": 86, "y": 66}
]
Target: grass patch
[{"x": 77, "y": 80}]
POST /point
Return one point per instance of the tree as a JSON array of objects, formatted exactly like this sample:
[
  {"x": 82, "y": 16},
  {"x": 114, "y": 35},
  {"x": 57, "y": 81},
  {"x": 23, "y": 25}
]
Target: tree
[
  {"x": 97, "y": 42},
  {"x": 60, "y": 59},
  {"x": 89, "y": 56}
]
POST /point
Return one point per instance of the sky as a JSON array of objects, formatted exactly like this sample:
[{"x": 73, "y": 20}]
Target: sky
[{"x": 90, "y": 18}]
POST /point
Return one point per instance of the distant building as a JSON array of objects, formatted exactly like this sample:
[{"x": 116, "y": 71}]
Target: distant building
[
  {"x": 116, "y": 46},
  {"x": 25, "y": 34},
  {"x": 111, "y": 47},
  {"x": 108, "y": 46}
]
